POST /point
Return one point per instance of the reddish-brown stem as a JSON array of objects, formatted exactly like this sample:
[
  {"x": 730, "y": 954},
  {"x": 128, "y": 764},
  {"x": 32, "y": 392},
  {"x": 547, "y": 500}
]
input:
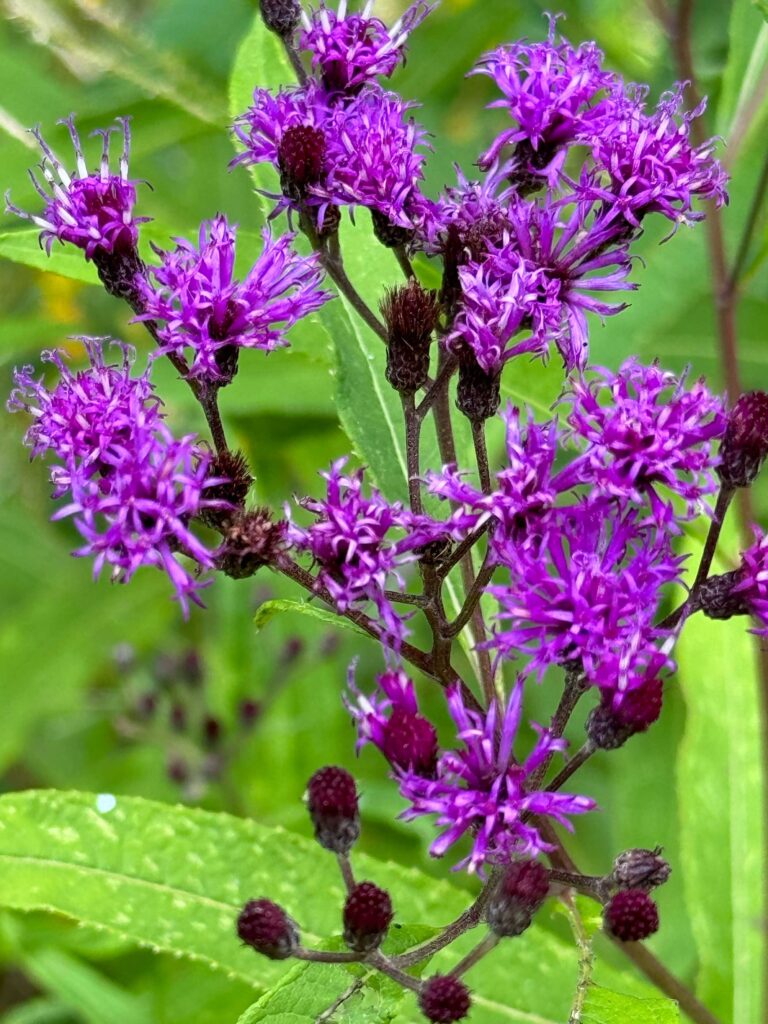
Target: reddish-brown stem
[
  {"x": 412, "y": 438},
  {"x": 481, "y": 456}
]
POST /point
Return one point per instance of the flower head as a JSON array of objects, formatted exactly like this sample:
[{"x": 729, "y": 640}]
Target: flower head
[
  {"x": 92, "y": 211},
  {"x": 205, "y": 308},
  {"x": 645, "y": 435},
  {"x": 589, "y": 589},
  {"x": 751, "y": 585},
  {"x": 350, "y": 49},
  {"x": 480, "y": 789},
  {"x": 645, "y": 162},
  {"x": 552, "y": 92},
  {"x": 133, "y": 488}
]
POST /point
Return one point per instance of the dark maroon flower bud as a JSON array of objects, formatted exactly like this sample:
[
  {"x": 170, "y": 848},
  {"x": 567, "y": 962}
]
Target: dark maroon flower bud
[
  {"x": 191, "y": 669},
  {"x": 718, "y": 600},
  {"x": 631, "y": 915},
  {"x": 640, "y": 869},
  {"x": 410, "y": 313},
  {"x": 301, "y": 156},
  {"x": 332, "y": 803},
  {"x": 444, "y": 999},
  {"x": 249, "y": 712},
  {"x": 177, "y": 770},
  {"x": 281, "y": 16},
  {"x": 178, "y": 718},
  {"x": 233, "y": 468},
  {"x": 292, "y": 651},
  {"x": 211, "y": 731},
  {"x": 265, "y": 927},
  {"x": 119, "y": 271},
  {"x": 745, "y": 442},
  {"x": 609, "y": 726},
  {"x": 410, "y": 743},
  {"x": 146, "y": 705},
  {"x": 252, "y": 540},
  {"x": 389, "y": 234},
  {"x": 367, "y": 916},
  {"x": 478, "y": 394},
  {"x": 516, "y": 897}
]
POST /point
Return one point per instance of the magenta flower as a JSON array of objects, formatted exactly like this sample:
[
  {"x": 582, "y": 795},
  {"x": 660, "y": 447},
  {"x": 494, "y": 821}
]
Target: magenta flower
[
  {"x": 360, "y": 542},
  {"x": 646, "y": 438},
  {"x": 481, "y": 791},
  {"x": 133, "y": 488},
  {"x": 205, "y": 308},
  {"x": 349, "y": 49},
  {"x": 552, "y": 92},
  {"x": 751, "y": 580},
  {"x": 92, "y": 211},
  {"x": 589, "y": 590},
  {"x": 392, "y": 723},
  {"x": 649, "y": 161}
]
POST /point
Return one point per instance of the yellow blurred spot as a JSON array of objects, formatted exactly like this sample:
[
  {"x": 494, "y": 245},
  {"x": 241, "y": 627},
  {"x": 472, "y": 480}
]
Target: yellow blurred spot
[{"x": 59, "y": 299}]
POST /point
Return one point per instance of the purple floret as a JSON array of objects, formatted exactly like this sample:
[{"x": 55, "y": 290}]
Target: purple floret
[
  {"x": 350, "y": 49},
  {"x": 481, "y": 791},
  {"x": 205, "y": 308},
  {"x": 92, "y": 211}
]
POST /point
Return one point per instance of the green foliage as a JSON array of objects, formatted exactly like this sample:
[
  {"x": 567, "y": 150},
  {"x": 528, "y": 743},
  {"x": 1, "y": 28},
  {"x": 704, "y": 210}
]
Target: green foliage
[
  {"x": 604, "y": 1007},
  {"x": 315, "y": 610}
]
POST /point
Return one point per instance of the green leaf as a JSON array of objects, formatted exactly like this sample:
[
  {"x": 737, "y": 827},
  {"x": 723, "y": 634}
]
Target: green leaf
[
  {"x": 67, "y": 261},
  {"x": 762, "y": 6},
  {"x": 720, "y": 796},
  {"x": 606, "y": 1007},
  {"x": 743, "y": 73},
  {"x": 314, "y": 610}
]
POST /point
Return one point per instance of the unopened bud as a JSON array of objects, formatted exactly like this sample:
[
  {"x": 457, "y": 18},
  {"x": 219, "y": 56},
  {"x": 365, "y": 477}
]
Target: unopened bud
[
  {"x": 718, "y": 599},
  {"x": 281, "y": 16},
  {"x": 301, "y": 158},
  {"x": 640, "y": 869},
  {"x": 332, "y": 803},
  {"x": 444, "y": 999},
  {"x": 745, "y": 442},
  {"x": 610, "y": 725},
  {"x": 410, "y": 743},
  {"x": 265, "y": 927},
  {"x": 478, "y": 394},
  {"x": 516, "y": 897},
  {"x": 410, "y": 313},
  {"x": 252, "y": 540},
  {"x": 367, "y": 916},
  {"x": 631, "y": 915},
  {"x": 231, "y": 468},
  {"x": 390, "y": 235}
]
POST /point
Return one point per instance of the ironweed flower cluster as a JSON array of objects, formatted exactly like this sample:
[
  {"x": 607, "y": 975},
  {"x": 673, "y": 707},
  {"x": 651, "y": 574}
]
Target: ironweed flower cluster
[{"x": 574, "y": 529}]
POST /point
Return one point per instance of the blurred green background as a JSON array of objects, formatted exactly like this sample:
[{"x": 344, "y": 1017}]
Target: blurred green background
[{"x": 77, "y": 658}]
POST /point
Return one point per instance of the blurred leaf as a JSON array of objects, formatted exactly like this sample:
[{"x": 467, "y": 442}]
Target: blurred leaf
[
  {"x": 77, "y": 985},
  {"x": 720, "y": 795},
  {"x": 762, "y": 6},
  {"x": 605, "y": 1007},
  {"x": 23, "y": 247},
  {"x": 744, "y": 98},
  {"x": 269, "y": 609},
  {"x": 38, "y": 1011}
]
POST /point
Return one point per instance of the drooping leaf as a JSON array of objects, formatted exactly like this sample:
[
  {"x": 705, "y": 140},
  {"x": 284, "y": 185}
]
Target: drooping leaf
[{"x": 314, "y": 610}]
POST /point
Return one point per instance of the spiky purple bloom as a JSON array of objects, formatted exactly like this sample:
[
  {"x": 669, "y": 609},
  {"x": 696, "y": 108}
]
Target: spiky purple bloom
[
  {"x": 649, "y": 161},
  {"x": 205, "y": 308},
  {"x": 350, "y": 49},
  {"x": 552, "y": 92},
  {"x": 92, "y": 211},
  {"x": 480, "y": 790},
  {"x": 525, "y": 489},
  {"x": 393, "y": 724},
  {"x": 589, "y": 590},
  {"x": 752, "y": 580},
  {"x": 468, "y": 217},
  {"x": 359, "y": 541},
  {"x": 646, "y": 437},
  {"x": 132, "y": 487},
  {"x": 373, "y": 150},
  {"x": 538, "y": 282}
]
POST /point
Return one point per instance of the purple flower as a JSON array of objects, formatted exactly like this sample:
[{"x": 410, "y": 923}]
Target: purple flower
[
  {"x": 205, "y": 308},
  {"x": 649, "y": 161},
  {"x": 92, "y": 211},
  {"x": 393, "y": 724},
  {"x": 537, "y": 283},
  {"x": 366, "y": 152},
  {"x": 646, "y": 437},
  {"x": 588, "y": 590},
  {"x": 552, "y": 93},
  {"x": 752, "y": 580},
  {"x": 132, "y": 487},
  {"x": 480, "y": 789},
  {"x": 525, "y": 489},
  {"x": 359, "y": 541},
  {"x": 468, "y": 217},
  {"x": 349, "y": 50}
]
